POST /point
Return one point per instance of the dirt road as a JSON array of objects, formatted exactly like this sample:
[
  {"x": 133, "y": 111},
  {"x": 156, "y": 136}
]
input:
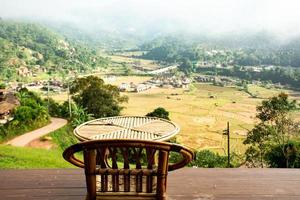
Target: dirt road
[{"x": 26, "y": 138}]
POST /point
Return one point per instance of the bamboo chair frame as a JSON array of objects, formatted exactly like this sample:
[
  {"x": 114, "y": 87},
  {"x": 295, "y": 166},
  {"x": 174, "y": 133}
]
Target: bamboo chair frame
[{"x": 127, "y": 182}]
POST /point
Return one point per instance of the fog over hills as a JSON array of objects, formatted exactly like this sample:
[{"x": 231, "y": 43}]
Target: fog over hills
[{"x": 135, "y": 20}]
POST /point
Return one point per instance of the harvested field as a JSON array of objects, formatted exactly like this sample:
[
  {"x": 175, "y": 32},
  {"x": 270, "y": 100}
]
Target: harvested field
[{"x": 202, "y": 119}]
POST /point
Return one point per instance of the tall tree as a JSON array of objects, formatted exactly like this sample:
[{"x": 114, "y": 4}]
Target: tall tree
[
  {"x": 98, "y": 98},
  {"x": 276, "y": 128},
  {"x": 186, "y": 66}
]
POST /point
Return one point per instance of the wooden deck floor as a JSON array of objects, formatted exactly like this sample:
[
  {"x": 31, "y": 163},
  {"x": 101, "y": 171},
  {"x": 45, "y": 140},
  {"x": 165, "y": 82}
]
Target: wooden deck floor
[{"x": 185, "y": 184}]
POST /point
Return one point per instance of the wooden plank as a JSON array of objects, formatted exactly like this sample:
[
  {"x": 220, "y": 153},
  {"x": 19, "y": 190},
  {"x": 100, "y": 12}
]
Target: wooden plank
[{"x": 185, "y": 184}]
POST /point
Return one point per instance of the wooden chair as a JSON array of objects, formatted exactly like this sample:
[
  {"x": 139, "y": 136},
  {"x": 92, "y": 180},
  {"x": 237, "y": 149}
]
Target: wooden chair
[{"x": 144, "y": 179}]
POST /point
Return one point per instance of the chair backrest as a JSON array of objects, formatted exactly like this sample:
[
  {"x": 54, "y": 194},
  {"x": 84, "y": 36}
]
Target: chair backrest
[{"x": 126, "y": 168}]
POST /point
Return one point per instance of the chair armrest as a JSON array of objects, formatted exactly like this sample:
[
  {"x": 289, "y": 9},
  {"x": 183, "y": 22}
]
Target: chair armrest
[
  {"x": 187, "y": 154},
  {"x": 68, "y": 155}
]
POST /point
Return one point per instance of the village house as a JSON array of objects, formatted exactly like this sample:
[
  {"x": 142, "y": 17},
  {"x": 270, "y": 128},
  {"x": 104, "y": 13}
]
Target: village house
[
  {"x": 204, "y": 64},
  {"x": 204, "y": 79},
  {"x": 8, "y": 102},
  {"x": 163, "y": 70},
  {"x": 123, "y": 87},
  {"x": 109, "y": 79},
  {"x": 24, "y": 71},
  {"x": 170, "y": 81},
  {"x": 142, "y": 87}
]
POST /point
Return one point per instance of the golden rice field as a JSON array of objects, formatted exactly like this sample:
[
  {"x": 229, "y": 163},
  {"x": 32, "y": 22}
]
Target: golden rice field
[{"x": 202, "y": 119}]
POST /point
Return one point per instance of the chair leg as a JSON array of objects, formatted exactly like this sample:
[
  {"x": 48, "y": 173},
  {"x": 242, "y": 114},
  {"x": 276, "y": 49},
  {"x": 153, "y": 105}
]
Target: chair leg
[
  {"x": 91, "y": 187},
  {"x": 90, "y": 168},
  {"x": 162, "y": 177}
]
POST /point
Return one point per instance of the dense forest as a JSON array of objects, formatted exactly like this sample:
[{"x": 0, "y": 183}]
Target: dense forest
[
  {"x": 37, "y": 48},
  {"x": 174, "y": 49},
  {"x": 284, "y": 76}
]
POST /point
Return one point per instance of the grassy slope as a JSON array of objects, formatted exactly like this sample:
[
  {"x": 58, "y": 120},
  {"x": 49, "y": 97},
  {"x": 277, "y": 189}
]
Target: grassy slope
[
  {"x": 34, "y": 158},
  {"x": 26, "y": 157},
  {"x": 63, "y": 137}
]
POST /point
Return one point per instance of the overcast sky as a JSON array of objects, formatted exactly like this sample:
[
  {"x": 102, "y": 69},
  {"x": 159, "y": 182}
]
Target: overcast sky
[{"x": 214, "y": 16}]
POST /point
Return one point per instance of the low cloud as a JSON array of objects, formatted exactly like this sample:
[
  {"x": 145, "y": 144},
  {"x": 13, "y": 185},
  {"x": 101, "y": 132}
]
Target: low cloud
[{"x": 281, "y": 17}]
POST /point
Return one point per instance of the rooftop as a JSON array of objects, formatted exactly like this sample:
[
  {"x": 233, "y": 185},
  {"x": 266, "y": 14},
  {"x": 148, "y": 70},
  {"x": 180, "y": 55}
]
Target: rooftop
[{"x": 184, "y": 184}]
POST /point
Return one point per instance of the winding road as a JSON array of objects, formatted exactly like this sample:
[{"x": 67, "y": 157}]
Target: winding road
[{"x": 26, "y": 138}]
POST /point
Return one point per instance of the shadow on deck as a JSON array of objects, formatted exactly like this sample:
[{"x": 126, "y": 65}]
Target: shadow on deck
[{"x": 185, "y": 184}]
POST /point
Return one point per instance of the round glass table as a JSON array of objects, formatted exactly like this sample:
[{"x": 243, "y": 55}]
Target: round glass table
[{"x": 127, "y": 127}]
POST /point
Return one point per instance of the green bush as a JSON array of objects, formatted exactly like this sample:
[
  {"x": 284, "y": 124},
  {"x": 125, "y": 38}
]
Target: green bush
[
  {"x": 275, "y": 157},
  {"x": 24, "y": 113},
  {"x": 205, "y": 159},
  {"x": 159, "y": 112},
  {"x": 209, "y": 159}
]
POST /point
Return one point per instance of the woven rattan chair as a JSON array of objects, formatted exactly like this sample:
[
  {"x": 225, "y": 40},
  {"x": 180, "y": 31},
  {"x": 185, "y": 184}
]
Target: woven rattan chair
[{"x": 126, "y": 169}]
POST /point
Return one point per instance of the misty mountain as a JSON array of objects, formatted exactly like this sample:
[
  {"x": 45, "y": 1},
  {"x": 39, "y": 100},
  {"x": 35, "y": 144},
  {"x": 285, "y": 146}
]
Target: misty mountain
[
  {"x": 96, "y": 38},
  {"x": 31, "y": 47}
]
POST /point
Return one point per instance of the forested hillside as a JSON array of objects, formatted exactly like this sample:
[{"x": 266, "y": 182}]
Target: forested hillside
[
  {"x": 27, "y": 48},
  {"x": 250, "y": 50}
]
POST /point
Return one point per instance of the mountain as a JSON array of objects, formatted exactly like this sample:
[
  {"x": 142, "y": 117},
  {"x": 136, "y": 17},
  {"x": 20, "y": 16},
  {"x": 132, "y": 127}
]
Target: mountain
[
  {"x": 33, "y": 48},
  {"x": 249, "y": 49},
  {"x": 96, "y": 37}
]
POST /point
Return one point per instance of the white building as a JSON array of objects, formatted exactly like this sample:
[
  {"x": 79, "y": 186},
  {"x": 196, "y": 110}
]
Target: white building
[
  {"x": 142, "y": 87},
  {"x": 123, "y": 87}
]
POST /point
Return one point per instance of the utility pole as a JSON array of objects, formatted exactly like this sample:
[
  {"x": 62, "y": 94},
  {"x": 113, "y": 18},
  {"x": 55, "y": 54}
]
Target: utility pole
[
  {"x": 69, "y": 100},
  {"x": 227, "y": 133},
  {"x": 48, "y": 89}
]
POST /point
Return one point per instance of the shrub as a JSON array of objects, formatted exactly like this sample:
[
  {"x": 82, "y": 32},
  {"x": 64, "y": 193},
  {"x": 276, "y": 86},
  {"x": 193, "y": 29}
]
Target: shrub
[
  {"x": 205, "y": 159},
  {"x": 209, "y": 159},
  {"x": 275, "y": 157},
  {"x": 24, "y": 113},
  {"x": 159, "y": 112}
]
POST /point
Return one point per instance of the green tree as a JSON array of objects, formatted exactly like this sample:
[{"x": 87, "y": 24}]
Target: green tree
[
  {"x": 258, "y": 138},
  {"x": 159, "y": 112},
  {"x": 98, "y": 98},
  {"x": 186, "y": 66},
  {"x": 274, "y": 156},
  {"x": 276, "y": 128},
  {"x": 53, "y": 107}
]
